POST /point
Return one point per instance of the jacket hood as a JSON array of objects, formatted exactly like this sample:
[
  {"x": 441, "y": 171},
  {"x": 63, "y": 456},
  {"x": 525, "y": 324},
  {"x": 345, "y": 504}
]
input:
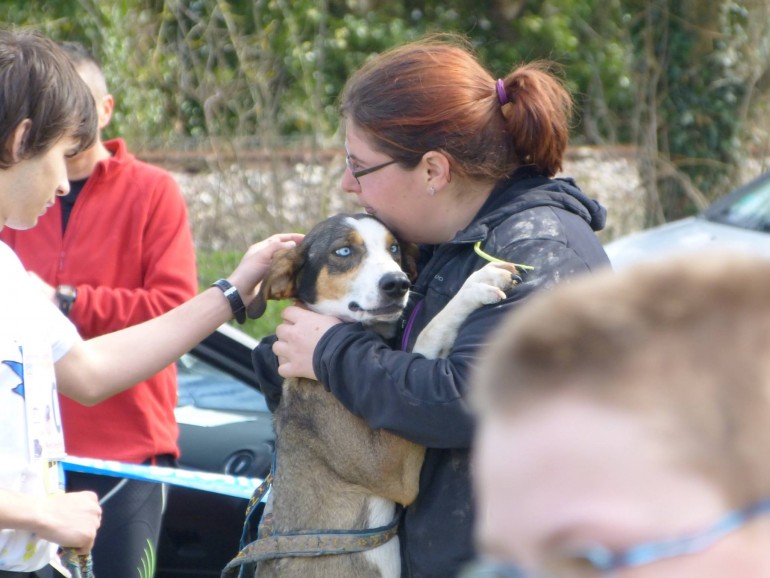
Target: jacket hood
[{"x": 527, "y": 190}]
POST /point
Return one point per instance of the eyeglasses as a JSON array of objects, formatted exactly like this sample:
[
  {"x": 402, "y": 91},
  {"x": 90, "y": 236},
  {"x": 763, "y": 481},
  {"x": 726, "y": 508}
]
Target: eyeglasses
[
  {"x": 358, "y": 173},
  {"x": 601, "y": 562}
]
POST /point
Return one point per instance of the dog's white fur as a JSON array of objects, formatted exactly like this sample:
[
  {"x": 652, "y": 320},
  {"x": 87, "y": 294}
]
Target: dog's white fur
[
  {"x": 363, "y": 288},
  {"x": 484, "y": 287}
]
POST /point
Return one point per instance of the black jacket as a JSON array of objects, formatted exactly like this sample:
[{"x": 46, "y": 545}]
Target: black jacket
[{"x": 532, "y": 220}]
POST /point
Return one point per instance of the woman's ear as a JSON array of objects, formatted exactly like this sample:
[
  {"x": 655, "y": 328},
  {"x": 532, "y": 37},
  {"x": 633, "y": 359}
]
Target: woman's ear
[
  {"x": 438, "y": 171},
  {"x": 18, "y": 139}
]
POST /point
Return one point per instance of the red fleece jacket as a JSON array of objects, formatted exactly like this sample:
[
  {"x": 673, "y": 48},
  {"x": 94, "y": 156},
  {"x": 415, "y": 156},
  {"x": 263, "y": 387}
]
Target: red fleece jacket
[{"x": 128, "y": 250}]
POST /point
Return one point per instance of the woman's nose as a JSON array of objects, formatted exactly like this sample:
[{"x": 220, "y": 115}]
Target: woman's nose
[{"x": 349, "y": 183}]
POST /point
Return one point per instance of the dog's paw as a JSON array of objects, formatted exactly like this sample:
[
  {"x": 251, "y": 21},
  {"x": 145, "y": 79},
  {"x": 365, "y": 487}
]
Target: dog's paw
[{"x": 489, "y": 284}]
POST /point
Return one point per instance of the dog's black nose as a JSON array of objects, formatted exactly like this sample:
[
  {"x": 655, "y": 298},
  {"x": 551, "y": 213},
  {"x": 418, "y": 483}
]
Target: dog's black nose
[{"x": 394, "y": 285}]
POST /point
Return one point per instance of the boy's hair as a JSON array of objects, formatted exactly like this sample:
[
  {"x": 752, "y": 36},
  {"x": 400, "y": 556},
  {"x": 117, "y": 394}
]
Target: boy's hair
[
  {"x": 88, "y": 66},
  {"x": 39, "y": 82},
  {"x": 684, "y": 344}
]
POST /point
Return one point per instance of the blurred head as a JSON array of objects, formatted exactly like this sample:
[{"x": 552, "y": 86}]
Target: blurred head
[
  {"x": 90, "y": 71},
  {"x": 47, "y": 113},
  {"x": 80, "y": 166},
  {"x": 625, "y": 409}
]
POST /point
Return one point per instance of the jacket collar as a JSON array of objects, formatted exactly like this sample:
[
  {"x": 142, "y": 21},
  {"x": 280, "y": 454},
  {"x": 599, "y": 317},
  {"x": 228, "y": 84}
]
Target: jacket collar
[{"x": 526, "y": 189}]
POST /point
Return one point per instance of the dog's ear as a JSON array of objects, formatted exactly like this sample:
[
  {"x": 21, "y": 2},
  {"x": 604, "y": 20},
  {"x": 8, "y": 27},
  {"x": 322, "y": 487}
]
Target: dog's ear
[
  {"x": 279, "y": 283},
  {"x": 410, "y": 253}
]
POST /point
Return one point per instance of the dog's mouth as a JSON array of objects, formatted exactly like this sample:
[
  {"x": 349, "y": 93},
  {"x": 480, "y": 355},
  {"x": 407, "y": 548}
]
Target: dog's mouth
[{"x": 390, "y": 310}]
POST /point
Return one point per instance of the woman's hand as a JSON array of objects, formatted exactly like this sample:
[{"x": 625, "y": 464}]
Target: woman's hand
[{"x": 298, "y": 337}]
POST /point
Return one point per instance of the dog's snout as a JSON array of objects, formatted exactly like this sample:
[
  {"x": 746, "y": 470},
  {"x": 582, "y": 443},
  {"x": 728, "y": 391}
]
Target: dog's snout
[{"x": 395, "y": 284}]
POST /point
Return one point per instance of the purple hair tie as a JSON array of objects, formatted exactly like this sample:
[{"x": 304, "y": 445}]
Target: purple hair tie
[{"x": 501, "y": 94}]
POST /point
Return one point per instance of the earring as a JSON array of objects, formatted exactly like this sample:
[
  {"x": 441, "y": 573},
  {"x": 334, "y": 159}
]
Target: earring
[{"x": 431, "y": 190}]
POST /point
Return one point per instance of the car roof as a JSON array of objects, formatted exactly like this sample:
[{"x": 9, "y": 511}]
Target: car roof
[{"x": 717, "y": 227}]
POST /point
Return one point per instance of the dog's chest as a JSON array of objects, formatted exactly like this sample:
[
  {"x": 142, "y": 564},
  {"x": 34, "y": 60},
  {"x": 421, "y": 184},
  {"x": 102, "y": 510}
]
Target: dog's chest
[
  {"x": 305, "y": 407},
  {"x": 309, "y": 414}
]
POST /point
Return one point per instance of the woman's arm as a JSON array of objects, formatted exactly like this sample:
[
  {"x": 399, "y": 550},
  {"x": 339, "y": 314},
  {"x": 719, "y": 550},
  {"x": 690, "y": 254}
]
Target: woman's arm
[
  {"x": 96, "y": 369},
  {"x": 417, "y": 398},
  {"x": 265, "y": 365},
  {"x": 420, "y": 399}
]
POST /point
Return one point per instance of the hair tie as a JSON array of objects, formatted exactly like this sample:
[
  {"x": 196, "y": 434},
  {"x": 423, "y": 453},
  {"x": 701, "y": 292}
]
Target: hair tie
[{"x": 502, "y": 96}]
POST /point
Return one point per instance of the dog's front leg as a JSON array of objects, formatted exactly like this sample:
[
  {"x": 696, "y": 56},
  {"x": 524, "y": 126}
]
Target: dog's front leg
[{"x": 484, "y": 287}]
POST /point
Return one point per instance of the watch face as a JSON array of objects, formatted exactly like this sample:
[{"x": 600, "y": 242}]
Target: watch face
[
  {"x": 67, "y": 291},
  {"x": 66, "y": 295}
]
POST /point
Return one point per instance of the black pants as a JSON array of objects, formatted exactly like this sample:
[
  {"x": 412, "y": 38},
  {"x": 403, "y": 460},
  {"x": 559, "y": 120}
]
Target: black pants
[
  {"x": 131, "y": 519},
  {"x": 46, "y": 572}
]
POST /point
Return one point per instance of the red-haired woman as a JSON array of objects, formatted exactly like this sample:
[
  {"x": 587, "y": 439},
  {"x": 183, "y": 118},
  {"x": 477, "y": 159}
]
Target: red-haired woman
[{"x": 454, "y": 159}]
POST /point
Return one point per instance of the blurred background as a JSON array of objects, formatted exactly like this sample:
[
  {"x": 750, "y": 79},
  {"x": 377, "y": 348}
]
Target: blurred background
[{"x": 238, "y": 98}]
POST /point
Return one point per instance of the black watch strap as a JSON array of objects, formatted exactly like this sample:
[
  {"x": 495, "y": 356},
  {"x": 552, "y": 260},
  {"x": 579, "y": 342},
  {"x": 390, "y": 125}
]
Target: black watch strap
[{"x": 234, "y": 298}]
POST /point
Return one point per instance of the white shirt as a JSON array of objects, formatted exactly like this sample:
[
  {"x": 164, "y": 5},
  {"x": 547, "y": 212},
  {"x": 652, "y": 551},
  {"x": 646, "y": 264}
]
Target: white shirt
[{"x": 33, "y": 335}]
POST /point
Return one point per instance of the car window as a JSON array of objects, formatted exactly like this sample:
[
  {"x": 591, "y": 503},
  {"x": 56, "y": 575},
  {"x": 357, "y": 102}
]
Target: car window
[
  {"x": 207, "y": 387},
  {"x": 748, "y": 211}
]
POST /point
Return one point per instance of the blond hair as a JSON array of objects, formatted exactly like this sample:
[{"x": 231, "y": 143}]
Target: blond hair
[{"x": 686, "y": 341}]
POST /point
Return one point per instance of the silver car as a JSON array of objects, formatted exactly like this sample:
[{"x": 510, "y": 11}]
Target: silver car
[{"x": 739, "y": 221}]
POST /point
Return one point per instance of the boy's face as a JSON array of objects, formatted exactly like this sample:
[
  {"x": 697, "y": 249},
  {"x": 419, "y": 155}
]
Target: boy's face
[
  {"x": 569, "y": 474},
  {"x": 32, "y": 185}
]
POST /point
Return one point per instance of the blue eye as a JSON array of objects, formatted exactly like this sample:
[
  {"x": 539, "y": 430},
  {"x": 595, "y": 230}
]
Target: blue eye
[
  {"x": 343, "y": 252},
  {"x": 394, "y": 248}
]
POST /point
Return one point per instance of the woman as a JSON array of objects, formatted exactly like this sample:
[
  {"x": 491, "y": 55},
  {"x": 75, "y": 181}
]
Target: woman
[{"x": 454, "y": 160}]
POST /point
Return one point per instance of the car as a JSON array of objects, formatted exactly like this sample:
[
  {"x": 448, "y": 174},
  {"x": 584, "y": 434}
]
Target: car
[
  {"x": 738, "y": 221},
  {"x": 225, "y": 427}
]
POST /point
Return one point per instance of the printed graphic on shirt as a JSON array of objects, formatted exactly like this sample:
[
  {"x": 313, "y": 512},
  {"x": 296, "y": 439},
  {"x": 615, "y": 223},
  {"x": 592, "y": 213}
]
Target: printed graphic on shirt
[
  {"x": 27, "y": 388},
  {"x": 30, "y": 375}
]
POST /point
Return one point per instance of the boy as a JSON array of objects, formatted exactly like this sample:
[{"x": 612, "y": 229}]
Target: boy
[
  {"x": 117, "y": 250},
  {"x": 624, "y": 426}
]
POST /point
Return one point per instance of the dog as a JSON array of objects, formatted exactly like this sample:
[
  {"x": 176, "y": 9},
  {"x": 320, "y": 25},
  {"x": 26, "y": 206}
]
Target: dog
[{"x": 332, "y": 470}]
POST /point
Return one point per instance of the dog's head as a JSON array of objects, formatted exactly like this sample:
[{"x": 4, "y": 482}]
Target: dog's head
[{"x": 349, "y": 266}]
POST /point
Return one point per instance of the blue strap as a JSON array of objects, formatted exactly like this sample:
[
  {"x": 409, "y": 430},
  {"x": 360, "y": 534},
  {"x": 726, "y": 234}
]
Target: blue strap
[{"x": 310, "y": 543}]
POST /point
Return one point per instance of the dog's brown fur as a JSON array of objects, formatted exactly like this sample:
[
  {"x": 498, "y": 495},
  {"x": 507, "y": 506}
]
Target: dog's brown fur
[
  {"x": 330, "y": 464},
  {"x": 332, "y": 470}
]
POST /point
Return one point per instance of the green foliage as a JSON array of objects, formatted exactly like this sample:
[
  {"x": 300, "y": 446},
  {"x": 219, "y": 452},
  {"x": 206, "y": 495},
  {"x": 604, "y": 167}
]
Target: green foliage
[
  {"x": 670, "y": 75},
  {"x": 690, "y": 67},
  {"x": 273, "y": 67}
]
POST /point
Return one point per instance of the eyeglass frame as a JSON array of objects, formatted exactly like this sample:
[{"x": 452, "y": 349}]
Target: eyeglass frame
[
  {"x": 357, "y": 174},
  {"x": 603, "y": 560}
]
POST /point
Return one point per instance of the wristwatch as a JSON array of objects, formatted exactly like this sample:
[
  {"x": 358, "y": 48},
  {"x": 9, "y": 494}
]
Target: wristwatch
[{"x": 65, "y": 297}]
